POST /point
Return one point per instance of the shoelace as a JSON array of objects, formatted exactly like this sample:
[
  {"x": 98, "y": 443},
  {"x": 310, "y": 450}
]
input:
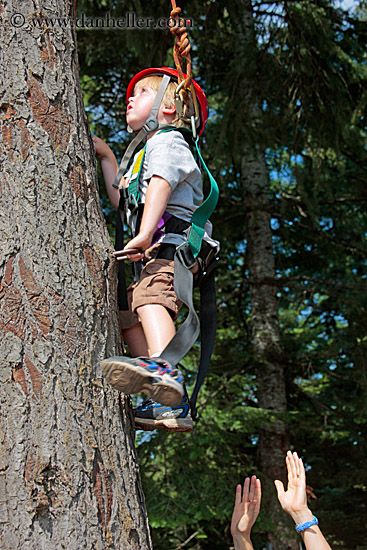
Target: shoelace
[
  {"x": 161, "y": 369},
  {"x": 164, "y": 370}
]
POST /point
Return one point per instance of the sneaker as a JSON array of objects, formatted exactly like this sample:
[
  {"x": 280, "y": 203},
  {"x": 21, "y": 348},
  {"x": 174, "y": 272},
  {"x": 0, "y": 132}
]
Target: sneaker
[
  {"x": 154, "y": 377},
  {"x": 151, "y": 415}
]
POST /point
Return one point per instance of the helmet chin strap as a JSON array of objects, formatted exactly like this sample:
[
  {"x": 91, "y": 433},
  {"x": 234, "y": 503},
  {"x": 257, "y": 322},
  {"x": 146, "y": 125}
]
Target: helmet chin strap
[{"x": 150, "y": 125}]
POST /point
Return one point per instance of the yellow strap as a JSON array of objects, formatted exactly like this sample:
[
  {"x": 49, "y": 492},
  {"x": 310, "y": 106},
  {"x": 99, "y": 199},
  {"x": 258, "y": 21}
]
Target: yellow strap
[{"x": 134, "y": 179}]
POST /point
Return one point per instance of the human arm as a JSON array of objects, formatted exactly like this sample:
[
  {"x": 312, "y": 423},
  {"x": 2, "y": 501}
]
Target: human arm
[
  {"x": 294, "y": 502},
  {"x": 245, "y": 512},
  {"x": 109, "y": 168},
  {"x": 156, "y": 200}
]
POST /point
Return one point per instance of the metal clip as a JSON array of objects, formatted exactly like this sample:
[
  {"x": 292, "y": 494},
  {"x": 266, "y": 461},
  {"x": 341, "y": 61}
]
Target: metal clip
[
  {"x": 193, "y": 127},
  {"x": 178, "y": 105}
]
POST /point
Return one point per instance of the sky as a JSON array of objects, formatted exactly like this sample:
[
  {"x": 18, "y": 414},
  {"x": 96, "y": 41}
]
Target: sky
[{"x": 348, "y": 4}]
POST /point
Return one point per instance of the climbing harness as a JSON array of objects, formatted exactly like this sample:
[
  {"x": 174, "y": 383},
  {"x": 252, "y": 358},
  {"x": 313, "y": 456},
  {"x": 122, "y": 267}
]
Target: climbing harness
[{"x": 198, "y": 246}]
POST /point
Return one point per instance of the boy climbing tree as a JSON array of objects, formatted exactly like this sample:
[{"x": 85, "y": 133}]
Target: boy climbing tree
[{"x": 161, "y": 192}]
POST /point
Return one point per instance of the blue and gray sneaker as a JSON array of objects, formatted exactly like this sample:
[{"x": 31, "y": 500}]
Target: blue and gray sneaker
[
  {"x": 154, "y": 377},
  {"x": 151, "y": 415}
]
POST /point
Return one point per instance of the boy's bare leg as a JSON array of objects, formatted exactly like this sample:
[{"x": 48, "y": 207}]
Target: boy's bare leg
[
  {"x": 134, "y": 338},
  {"x": 158, "y": 327}
]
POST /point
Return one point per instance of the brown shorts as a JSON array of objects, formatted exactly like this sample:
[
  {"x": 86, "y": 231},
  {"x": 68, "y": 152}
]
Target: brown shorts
[{"x": 155, "y": 286}]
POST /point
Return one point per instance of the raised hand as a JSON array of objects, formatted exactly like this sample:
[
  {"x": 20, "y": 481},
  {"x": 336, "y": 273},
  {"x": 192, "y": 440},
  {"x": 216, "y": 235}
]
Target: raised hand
[
  {"x": 294, "y": 502},
  {"x": 294, "y": 499},
  {"x": 245, "y": 512}
]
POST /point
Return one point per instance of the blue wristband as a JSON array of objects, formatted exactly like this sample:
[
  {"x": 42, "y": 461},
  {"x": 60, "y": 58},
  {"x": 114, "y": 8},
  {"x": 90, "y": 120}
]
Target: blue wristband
[{"x": 302, "y": 526}]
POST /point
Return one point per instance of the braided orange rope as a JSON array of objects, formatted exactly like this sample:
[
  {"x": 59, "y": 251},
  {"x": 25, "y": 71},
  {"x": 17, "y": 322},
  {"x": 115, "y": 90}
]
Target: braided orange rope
[
  {"x": 182, "y": 47},
  {"x": 181, "y": 50}
]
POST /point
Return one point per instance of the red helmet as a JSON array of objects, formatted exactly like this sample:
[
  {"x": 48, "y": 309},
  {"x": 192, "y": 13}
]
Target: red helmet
[{"x": 202, "y": 101}]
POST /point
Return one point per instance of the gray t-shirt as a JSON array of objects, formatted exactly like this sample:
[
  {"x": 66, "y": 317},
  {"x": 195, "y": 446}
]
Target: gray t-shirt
[{"x": 168, "y": 156}]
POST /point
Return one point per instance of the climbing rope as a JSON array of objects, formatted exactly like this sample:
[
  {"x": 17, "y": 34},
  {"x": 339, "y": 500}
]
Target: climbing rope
[
  {"x": 182, "y": 46},
  {"x": 181, "y": 51}
]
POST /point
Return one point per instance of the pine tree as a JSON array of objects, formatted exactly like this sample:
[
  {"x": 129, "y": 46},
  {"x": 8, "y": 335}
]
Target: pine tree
[
  {"x": 292, "y": 106},
  {"x": 69, "y": 474}
]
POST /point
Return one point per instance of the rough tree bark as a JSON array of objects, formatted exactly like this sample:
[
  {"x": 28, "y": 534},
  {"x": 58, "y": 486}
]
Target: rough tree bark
[
  {"x": 68, "y": 469},
  {"x": 274, "y": 439},
  {"x": 271, "y": 393}
]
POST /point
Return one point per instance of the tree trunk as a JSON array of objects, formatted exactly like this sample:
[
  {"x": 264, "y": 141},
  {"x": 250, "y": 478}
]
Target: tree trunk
[
  {"x": 271, "y": 393},
  {"x": 274, "y": 441},
  {"x": 68, "y": 470}
]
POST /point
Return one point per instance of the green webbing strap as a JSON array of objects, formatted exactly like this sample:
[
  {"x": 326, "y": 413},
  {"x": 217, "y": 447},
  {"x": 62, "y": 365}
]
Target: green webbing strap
[{"x": 205, "y": 210}]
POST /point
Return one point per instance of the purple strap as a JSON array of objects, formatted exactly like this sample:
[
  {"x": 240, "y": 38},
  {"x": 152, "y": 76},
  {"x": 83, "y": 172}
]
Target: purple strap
[{"x": 159, "y": 232}]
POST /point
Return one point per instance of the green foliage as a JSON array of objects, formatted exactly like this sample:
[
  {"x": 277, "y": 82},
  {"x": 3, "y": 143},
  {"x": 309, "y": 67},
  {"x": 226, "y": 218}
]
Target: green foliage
[
  {"x": 306, "y": 66},
  {"x": 188, "y": 498}
]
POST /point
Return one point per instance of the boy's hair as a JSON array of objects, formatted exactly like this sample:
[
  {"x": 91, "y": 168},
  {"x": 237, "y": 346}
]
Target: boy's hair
[{"x": 169, "y": 97}]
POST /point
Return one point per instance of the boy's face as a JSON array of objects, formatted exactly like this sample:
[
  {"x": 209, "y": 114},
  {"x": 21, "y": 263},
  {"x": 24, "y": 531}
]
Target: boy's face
[{"x": 139, "y": 106}]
